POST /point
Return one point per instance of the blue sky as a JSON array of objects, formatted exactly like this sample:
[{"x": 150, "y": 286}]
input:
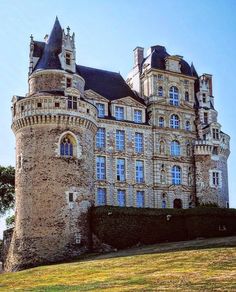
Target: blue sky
[{"x": 204, "y": 32}]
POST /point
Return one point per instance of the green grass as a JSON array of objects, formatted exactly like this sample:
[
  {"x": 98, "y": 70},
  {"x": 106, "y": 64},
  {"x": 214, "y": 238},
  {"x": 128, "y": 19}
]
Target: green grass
[{"x": 209, "y": 269}]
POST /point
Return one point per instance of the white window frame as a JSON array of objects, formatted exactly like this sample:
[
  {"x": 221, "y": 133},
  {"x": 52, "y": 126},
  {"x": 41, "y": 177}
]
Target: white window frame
[
  {"x": 119, "y": 113},
  {"x": 101, "y": 138},
  {"x": 139, "y": 171},
  {"x": 174, "y": 96},
  {"x": 140, "y": 199},
  {"x": 176, "y": 175},
  {"x": 121, "y": 198},
  {"x": 120, "y": 169},
  {"x": 175, "y": 148},
  {"x": 101, "y": 196},
  {"x": 174, "y": 121},
  {"x": 101, "y": 167},
  {"x": 138, "y": 142},
  {"x": 101, "y": 109},
  {"x": 120, "y": 140},
  {"x": 138, "y": 116}
]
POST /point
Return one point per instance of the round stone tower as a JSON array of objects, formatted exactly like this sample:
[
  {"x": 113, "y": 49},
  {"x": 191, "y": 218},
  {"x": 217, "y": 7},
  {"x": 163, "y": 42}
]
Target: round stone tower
[{"x": 54, "y": 128}]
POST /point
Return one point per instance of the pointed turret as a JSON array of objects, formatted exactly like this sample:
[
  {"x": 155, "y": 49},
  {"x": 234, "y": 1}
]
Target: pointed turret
[{"x": 50, "y": 58}]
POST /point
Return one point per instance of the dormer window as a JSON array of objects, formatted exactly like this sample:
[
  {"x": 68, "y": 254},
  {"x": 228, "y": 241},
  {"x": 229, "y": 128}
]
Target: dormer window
[
  {"x": 137, "y": 116},
  {"x": 72, "y": 102},
  {"x": 215, "y": 134},
  {"x": 68, "y": 59},
  {"x": 119, "y": 113},
  {"x": 101, "y": 110}
]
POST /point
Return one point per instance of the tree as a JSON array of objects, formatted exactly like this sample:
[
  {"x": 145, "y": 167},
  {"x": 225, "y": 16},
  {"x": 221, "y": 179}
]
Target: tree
[{"x": 7, "y": 188}]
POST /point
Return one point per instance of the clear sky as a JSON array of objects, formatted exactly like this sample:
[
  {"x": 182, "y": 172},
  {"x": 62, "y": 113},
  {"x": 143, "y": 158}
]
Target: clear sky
[{"x": 204, "y": 32}]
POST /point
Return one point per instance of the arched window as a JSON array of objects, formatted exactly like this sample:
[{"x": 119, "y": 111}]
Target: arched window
[
  {"x": 176, "y": 175},
  {"x": 186, "y": 95},
  {"x": 174, "y": 122},
  {"x": 68, "y": 146},
  {"x": 161, "y": 122},
  {"x": 175, "y": 148},
  {"x": 174, "y": 95},
  {"x": 187, "y": 126},
  {"x": 160, "y": 91}
]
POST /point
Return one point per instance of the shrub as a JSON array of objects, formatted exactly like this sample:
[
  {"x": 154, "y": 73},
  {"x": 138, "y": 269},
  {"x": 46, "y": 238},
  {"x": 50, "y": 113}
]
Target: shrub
[{"x": 123, "y": 227}]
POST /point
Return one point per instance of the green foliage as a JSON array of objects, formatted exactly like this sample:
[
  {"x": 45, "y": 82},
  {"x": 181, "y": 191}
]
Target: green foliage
[
  {"x": 126, "y": 227},
  {"x": 10, "y": 221},
  {"x": 7, "y": 188}
]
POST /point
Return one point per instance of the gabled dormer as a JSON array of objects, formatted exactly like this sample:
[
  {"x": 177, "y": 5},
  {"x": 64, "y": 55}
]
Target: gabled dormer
[
  {"x": 68, "y": 55},
  {"x": 172, "y": 63}
]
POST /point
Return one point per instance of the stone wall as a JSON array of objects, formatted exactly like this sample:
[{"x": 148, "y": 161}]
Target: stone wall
[{"x": 48, "y": 227}]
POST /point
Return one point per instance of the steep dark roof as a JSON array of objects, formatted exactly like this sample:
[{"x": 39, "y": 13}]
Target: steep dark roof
[
  {"x": 50, "y": 58},
  {"x": 38, "y": 49},
  {"x": 156, "y": 59},
  {"x": 111, "y": 85}
]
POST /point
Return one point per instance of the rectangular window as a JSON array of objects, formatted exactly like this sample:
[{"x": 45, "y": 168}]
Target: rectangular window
[
  {"x": 120, "y": 140},
  {"x": 215, "y": 133},
  {"x": 138, "y": 116},
  {"x": 100, "y": 138},
  {"x": 138, "y": 142},
  {"x": 120, "y": 169},
  {"x": 72, "y": 102},
  {"x": 71, "y": 197},
  {"x": 101, "y": 167},
  {"x": 140, "y": 199},
  {"x": 205, "y": 118},
  {"x": 101, "y": 110},
  {"x": 215, "y": 178},
  {"x": 57, "y": 104},
  {"x": 121, "y": 198},
  {"x": 101, "y": 196},
  {"x": 39, "y": 104},
  {"x": 68, "y": 82},
  {"x": 160, "y": 77},
  {"x": 139, "y": 171},
  {"x": 119, "y": 113},
  {"x": 68, "y": 58}
]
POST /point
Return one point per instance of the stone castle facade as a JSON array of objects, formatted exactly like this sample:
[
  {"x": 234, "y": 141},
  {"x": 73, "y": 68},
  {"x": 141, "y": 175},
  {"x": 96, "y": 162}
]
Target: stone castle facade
[{"x": 86, "y": 137}]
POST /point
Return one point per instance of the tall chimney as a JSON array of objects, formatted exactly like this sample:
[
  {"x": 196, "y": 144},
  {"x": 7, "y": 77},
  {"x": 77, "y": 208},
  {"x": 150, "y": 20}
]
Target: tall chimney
[{"x": 138, "y": 56}]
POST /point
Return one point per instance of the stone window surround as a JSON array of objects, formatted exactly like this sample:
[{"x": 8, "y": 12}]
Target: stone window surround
[
  {"x": 77, "y": 147},
  {"x": 211, "y": 171}
]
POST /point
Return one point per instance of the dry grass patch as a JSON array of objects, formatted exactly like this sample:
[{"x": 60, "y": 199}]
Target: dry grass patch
[{"x": 211, "y": 269}]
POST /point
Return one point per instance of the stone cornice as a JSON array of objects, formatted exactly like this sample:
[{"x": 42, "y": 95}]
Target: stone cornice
[{"x": 47, "y": 119}]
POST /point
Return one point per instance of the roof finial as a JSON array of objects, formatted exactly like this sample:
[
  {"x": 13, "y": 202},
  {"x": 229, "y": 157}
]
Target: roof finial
[{"x": 68, "y": 30}]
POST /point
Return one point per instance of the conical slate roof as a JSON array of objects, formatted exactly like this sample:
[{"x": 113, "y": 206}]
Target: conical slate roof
[{"x": 50, "y": 58}]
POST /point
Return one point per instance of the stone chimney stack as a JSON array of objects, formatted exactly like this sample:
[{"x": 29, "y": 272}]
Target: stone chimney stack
[{"x": 138, "y": 56}]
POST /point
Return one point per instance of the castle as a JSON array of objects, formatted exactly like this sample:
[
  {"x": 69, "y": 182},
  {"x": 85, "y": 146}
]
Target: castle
[{"x": 86, "y": 137}]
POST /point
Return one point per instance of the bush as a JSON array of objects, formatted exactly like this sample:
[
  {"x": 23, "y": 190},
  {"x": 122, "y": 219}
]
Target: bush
[{"x": 124, "y": 227}]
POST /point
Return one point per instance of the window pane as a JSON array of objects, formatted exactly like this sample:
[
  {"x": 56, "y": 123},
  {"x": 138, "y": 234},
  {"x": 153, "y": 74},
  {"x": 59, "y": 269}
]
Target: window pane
[
  {"x": 139, "y": 171},
  {"x": 101, "y": 196},
  {"x": 176, "y": 175},
  {"x": 120, "y": 140},
  {"x": 174, "y": 96},
  {"x": 140, "y": 199},
  {"x": 120, "y": 169},
  {"x": 138, "y": 142},
  {"x": 101, "y": 110},
  {"x": 121, "y": 198},
  {"x": 100, "y": 138},
  {"x": 101, "y": 167},
  {"x": 119, "y": 113},
  {"x": 137, "y": 116}
]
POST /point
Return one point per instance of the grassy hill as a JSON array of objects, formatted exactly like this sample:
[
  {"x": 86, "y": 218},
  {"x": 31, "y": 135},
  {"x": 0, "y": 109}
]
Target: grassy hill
[{"x": 201, "y": 265}]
